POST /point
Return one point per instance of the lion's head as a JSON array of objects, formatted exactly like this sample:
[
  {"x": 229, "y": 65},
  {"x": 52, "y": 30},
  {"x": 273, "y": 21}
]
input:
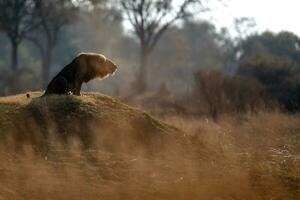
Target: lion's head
[{"x": 96, "y": 65}]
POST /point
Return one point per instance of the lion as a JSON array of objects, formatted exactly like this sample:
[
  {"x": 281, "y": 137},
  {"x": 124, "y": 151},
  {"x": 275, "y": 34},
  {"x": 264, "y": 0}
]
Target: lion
[{"x": 82, "y": 69}]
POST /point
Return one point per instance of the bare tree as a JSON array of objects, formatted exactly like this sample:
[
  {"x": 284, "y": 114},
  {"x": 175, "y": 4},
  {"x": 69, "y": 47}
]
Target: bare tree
[
  {"x": 150, "y": 19},
  {"x": 17, "y": 19},
  {"x": 53, "y": 16},
  {"x": 244, "y": 27}
]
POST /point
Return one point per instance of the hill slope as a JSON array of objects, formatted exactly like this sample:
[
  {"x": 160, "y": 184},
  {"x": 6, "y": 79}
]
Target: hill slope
[{"x": 94, "y": 118}]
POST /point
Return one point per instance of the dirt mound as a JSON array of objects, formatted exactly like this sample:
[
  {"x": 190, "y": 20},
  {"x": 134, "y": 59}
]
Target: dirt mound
[{"x": 93, "y": 118}]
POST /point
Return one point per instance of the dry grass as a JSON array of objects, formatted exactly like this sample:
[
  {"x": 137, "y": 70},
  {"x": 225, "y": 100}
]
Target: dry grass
[
  {"x": 248, "y": 157},
  {"x": 257, "y": 157}
]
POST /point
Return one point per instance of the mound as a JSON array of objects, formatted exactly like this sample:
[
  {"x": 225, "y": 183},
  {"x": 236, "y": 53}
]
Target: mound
[{"x": 93, "y": 118}]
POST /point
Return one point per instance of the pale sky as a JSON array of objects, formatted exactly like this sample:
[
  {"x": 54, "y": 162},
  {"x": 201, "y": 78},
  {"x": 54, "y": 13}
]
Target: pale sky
[{"x": 274, "y": 15}]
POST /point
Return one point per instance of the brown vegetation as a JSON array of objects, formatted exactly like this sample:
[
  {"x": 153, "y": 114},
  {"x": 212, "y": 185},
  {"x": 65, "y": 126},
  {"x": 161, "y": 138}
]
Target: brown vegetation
[
  {"x": 133, "y": 156},
  {"x": 214, "y": 94},
  {"x": 224, "y": 94}
]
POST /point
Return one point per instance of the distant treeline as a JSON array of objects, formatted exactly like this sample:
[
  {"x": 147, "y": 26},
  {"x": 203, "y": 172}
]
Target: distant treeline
[
  {"x": 264, "y": 75},
  {"x": 267, "y": 75}
]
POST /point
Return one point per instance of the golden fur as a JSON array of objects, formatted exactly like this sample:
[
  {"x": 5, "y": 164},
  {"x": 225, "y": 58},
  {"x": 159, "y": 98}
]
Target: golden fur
[{"x": 93, "y": 65}]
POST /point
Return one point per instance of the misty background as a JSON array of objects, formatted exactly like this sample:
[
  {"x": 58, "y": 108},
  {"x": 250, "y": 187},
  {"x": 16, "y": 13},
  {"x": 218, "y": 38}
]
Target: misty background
[{"x": 181, "y": 50}]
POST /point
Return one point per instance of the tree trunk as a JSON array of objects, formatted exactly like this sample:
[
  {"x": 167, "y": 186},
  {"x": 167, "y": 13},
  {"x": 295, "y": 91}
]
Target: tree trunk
[
  {"x": 140, "y": 84},
  {"x": 13, "y": 83},
  {"x": 47, "y": 64},
  {"x": 14, "y": 56}
]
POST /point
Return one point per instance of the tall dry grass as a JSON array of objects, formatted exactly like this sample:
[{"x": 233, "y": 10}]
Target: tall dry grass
[
  {"x": 248, "y": 156},
  {"x": 245, "y": 157}
]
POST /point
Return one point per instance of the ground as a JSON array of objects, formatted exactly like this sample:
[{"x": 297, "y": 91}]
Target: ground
[{"x": 96, "y": 147}]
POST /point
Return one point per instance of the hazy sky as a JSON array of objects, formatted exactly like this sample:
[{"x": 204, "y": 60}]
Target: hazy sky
[{"x": 274, "y": 15}]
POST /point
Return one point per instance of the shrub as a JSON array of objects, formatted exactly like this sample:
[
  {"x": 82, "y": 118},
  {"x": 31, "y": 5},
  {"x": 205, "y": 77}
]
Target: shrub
[
  {"x": 279, "y": 77},
  {"x": 223, "y": 93}
]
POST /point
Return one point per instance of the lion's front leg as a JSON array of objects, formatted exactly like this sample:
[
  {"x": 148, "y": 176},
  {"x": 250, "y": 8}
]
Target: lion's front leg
[
  {"x": 77, "y": 88},
  {"x": 71, "y": 88}
]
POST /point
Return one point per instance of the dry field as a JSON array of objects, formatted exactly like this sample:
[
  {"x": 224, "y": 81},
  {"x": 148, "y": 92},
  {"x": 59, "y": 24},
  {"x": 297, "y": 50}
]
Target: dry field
[{"x": 95, "y": 147}]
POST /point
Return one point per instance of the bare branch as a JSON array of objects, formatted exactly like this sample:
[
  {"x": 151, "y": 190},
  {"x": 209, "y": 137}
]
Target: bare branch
[{"x": 151, "y": 18}]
